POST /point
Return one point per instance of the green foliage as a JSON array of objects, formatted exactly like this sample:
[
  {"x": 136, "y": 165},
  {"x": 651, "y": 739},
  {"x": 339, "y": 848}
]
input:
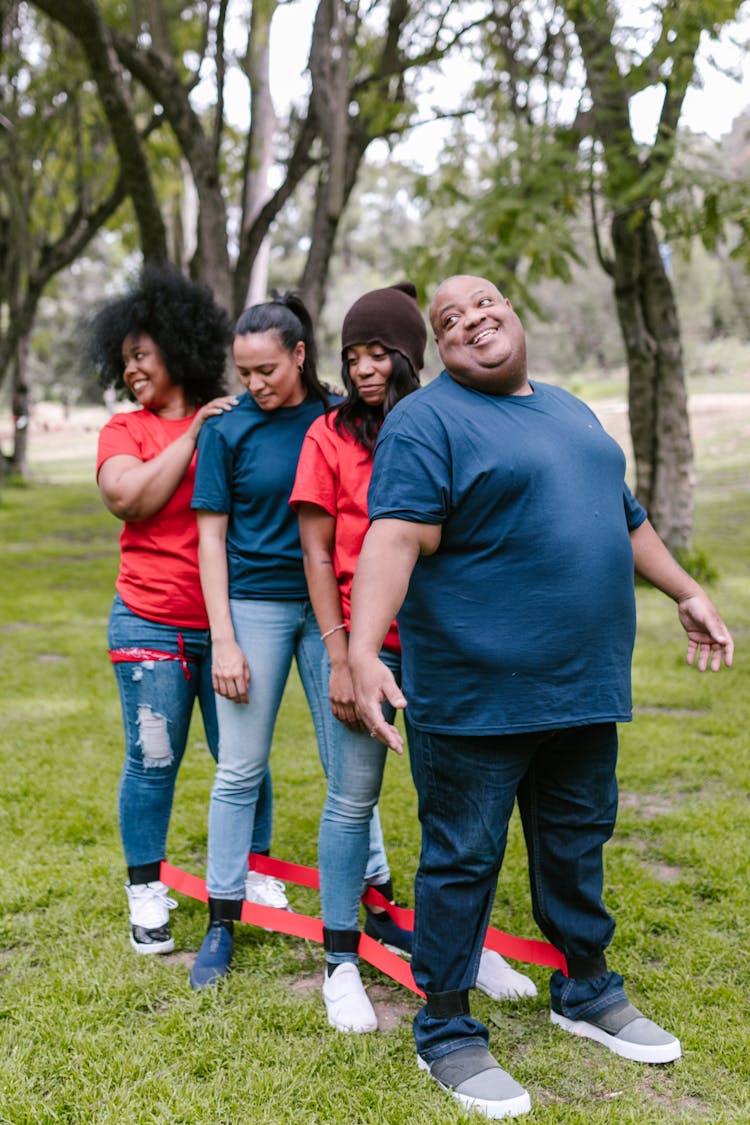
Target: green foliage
[
  {"x": 509, "y": 196},
  {"x": 706, "y": 195},
  {"x": 91, "y": 1033},
  {"x": 697, "y": 563},
  {"x": 502, "y": 211},
  {"x": 52, "y": 115},
  {"x": 57, "y": 368}
]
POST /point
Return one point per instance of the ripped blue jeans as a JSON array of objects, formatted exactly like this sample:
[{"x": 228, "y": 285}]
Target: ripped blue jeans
[{"x": 157, "y": 699}]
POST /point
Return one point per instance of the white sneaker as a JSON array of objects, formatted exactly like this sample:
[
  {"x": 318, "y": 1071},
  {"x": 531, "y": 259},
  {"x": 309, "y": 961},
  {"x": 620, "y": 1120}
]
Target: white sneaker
[
  {"x": 347, "y": 1003},
  {"x": 149, "y": 917},
  {"x": 499, "y": 981},
  {"x": 265, "y": 890}
]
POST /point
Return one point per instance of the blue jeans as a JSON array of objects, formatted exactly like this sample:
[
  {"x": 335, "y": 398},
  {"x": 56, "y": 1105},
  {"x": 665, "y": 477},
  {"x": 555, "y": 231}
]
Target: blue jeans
[
  {"x": 157, "y": 699},
  {"x": 270, "y": 633},
  {"x": 566, "y": 789},
  {"x": 350, "y": 850}
]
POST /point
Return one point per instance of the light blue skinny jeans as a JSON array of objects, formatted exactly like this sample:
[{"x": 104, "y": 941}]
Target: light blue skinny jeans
[
  {"x": 270, "y": 634},
  {"x": 355, "y": 776},
  {"x": 157, "y": 700}
]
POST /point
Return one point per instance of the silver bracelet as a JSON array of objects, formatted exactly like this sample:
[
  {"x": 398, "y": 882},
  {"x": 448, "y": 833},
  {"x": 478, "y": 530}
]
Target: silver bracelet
[{"x": 335, "y": 629}]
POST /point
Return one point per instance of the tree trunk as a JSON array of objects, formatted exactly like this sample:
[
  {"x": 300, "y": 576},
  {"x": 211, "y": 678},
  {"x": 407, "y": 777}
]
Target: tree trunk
[
  {"x": 659, "y": 420},
  {"x": 84, "y": 20},
  {"x": 658, "y": 403},
  {"x": 332, "y": 94},
  {"x": 259, "y": 156},
  {"x": 21, "y": 409},
  {"x": 159, "y": 74}
]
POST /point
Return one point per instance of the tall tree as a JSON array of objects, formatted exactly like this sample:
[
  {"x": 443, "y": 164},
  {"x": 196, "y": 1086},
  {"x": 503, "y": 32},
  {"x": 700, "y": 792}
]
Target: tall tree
[
  {"x": 362, "y": 59},
  {"x": 542, "y": 159},
  {"x": 632, "y": 180},
  {"x": 51, "y": 134},
  {"x": 260, "y": 149}
]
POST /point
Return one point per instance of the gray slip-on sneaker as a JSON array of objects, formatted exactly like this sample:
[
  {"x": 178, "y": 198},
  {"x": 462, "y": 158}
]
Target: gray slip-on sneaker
[
  {"x": 627, "y": 1032},
  {"x": 473, "y": 1077}
]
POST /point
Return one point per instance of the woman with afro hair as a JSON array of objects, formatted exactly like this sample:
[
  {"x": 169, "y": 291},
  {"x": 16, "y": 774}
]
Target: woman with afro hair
[{"x": 164, "y": 343}]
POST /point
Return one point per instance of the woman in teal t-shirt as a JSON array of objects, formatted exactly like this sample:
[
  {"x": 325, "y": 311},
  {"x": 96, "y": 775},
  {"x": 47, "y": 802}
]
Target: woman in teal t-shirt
[
  {"x": 254, "y": 586},
  {"x": 256, "y": 595}
]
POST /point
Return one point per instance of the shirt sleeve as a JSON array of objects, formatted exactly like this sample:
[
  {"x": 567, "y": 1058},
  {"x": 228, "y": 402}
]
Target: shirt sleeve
[
  {"x": 213, "y": 472},
  {"x": 316, "y": 480},
  {"x": 635, "y": 513},
  {"x": 116, "y": 438},
  {"x": 412, "y": 470}
]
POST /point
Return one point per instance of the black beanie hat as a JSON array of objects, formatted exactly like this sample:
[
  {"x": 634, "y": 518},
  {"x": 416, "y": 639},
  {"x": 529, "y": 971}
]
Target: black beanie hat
[{"x": 390, "y": 317}]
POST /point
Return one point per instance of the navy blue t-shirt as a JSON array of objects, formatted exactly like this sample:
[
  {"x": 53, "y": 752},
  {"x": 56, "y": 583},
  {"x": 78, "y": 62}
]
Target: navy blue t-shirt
[
  {"x": 524, "y": 618},
  {"x": 247, "y": 460}
]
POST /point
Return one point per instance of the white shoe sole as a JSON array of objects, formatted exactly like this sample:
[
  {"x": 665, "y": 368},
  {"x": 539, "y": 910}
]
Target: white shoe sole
[
  {"x": 636, "y": 1052},
  {"x": 360, "y": 1025},
  {"x": 351, "y": 1028},
  {"x": 509, "y": 1107},
  {"x": 153, "y": 947},
  {"x": 399, "y": 952}
]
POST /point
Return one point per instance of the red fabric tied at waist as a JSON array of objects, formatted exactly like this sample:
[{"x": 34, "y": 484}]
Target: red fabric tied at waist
[
  {"x": 137, "y": 655},
  {"x": 531, "y": 951}
]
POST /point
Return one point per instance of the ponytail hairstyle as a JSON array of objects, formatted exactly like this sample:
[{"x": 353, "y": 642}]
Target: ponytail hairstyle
[{"x": 287, "y": 316}]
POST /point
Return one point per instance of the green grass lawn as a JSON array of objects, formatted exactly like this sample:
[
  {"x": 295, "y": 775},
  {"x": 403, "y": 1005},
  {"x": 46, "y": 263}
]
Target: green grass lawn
[{"x": 92, "y": 1033}]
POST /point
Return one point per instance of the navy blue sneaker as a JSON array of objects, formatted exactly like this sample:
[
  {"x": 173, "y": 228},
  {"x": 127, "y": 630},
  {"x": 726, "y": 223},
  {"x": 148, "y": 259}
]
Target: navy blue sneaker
[
  {"x": 214, "y": 956},
  {"x": 381, "y": 927}
]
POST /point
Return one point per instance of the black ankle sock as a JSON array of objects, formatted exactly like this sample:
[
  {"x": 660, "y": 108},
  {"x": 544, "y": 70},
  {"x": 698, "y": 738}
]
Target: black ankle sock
[
  {"x": 332, "y": 966},
  {"x": 144, "y": 873},
  {"x": 226, "y": 911},
  {"x": 386, "y": 889},
  {"x": 227, "y": 923}
]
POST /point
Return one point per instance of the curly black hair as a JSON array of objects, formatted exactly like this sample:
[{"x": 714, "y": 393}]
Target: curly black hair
[
  {"x": 190, "y": 329},
  {"x": 363, "y": 422}
]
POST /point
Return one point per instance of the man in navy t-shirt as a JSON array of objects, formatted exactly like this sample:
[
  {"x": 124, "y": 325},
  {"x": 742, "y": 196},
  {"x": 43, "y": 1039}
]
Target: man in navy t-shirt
[{"x": 505, "y": 537}]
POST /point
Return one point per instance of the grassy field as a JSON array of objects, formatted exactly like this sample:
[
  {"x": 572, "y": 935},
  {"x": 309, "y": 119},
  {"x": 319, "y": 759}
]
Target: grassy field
[{"x": 92, "y": 1033}]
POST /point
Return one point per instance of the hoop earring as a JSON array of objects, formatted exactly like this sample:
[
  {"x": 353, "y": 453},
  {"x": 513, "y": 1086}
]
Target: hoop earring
[{"x": 300, "y": 368}]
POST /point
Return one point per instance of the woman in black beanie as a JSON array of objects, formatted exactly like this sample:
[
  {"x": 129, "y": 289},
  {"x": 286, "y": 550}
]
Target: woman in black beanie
[{"x": 383, "y": 340}]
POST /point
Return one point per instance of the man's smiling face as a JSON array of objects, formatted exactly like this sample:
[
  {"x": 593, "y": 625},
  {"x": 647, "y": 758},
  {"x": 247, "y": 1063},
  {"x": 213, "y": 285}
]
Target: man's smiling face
[{"x": 480, "y": 339}]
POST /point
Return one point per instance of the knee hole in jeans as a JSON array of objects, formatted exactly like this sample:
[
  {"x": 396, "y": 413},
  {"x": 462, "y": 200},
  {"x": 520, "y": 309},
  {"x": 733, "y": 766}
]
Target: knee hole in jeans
[{"x": 154, "y": 739}]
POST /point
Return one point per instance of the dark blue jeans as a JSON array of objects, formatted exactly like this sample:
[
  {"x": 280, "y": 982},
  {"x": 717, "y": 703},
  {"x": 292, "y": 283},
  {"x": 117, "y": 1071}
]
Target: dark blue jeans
[
  {"x": 157, "y": 699},
  {"x": 565, "y": 784}
]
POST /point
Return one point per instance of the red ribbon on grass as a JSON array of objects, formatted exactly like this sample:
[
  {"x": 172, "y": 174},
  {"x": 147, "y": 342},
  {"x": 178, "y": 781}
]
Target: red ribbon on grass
[{"x": 305, "y": 926}]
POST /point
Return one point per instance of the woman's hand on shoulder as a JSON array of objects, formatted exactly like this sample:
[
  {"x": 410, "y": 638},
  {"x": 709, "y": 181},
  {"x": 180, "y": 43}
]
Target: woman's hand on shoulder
[{"x": 211, "y": 409}]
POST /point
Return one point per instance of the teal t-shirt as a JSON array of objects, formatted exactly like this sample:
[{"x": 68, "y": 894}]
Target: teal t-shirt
[
  {"x": 524, "y": 618},
  {"x": 247, "y": 459}
]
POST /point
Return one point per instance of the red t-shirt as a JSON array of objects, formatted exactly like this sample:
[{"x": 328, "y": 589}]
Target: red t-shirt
[
  {"x": 158, "y": 576},
  {"x": 334, "y": 472}
]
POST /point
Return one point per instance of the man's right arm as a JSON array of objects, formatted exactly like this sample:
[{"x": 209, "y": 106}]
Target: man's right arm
[{"x": 388, "y": 557}]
